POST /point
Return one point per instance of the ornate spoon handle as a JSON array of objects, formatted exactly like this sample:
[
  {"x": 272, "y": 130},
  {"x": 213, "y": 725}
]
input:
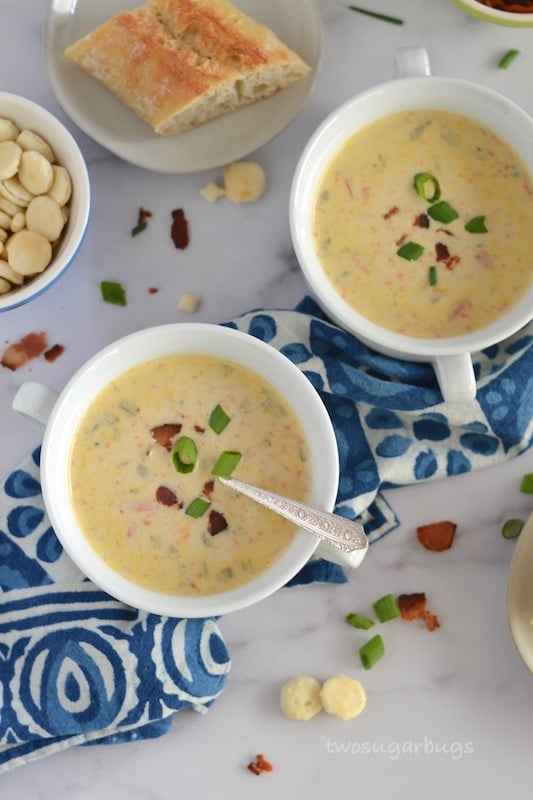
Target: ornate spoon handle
[{"x": 340, "y": 532}]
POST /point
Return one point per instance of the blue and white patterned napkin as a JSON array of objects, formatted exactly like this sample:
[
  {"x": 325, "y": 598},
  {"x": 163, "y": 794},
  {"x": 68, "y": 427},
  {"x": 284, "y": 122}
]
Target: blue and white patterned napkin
[{"x": 78, "y": 667}]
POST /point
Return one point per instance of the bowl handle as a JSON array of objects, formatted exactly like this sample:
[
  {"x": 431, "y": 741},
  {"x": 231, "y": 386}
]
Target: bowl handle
[
  {"x": 412, "y": 62},
  {"x": 34, "y": 403}
]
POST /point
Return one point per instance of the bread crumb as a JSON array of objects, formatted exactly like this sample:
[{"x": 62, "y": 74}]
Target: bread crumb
[
  {"x": 212, "y": 192},
  {"x": 244, "y": 181},
  {"x": 189, "y": 302}
]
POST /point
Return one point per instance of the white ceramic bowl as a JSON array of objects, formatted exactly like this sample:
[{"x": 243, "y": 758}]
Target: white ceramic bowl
[
  {"x": 28, "y": 115},
  {"x": 494, "y": 15},
  {"x": 449, "y": 356},
  {"x": 35, "y": 401}
]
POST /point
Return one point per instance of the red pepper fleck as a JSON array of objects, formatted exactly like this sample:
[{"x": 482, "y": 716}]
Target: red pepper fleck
[
  {"x": 166, "y": 496},
  {"x": 391, "y": 212},
  {"x": 452, "y": 262},
  {"x": 208, "y": 488},
  {"x": 163, "y": 434},
  {"x": 444, "y": 230},
  {"x": 180, "y": 229},
  {"x": 441, "y": 252},
  {"x": 199, "y": 429},
  {"x": 152, "y": 290},
  {"x": 143, "y": 215},
  {"x": 421, "y": 221},
  {"x": 54, "y": 352},
  {"x": 401, "y": 240},
  {"x": 216, "y": 523},
  {"x": 260, "y": 765}
]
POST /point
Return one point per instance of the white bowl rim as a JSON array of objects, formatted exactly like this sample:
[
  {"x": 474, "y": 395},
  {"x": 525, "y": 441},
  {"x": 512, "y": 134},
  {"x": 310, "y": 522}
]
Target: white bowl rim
[
  {"x": 61, "y": 140},
  {"x": 66, "y": 413},
  {"x": 481, "y": 9}
]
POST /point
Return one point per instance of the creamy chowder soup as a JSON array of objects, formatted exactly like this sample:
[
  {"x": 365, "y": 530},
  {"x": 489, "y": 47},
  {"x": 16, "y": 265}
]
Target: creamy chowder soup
[
  {"x": 441, "y": 258},
  {"x": 134, "y": 507}
]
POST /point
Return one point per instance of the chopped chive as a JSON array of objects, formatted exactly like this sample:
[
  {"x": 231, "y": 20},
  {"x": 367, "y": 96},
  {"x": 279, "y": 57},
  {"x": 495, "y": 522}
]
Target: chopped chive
[
  {"x": 386, "y": 608},
  {"x": 476, "y": 225},
  {"x": 218, "y": 419},
  {"x": 359, "y": 621},
  {"x": 442, "y": 212},
  {"x": 506, "y": 60},
  {"x": 376, "y": 15},
  {"x": 512, "y": 528},
  {"x": 421, "y": 181},
  {"x": 184, "y": 454},
  {"x": 410, "y": 251},
  {"x": 139, "y": 228},
  {"x": 432, "y": 275},
  {"x": 372, "y": 651},
  {"x": 113, "y": 292},
  {"x": 226, "y": 463},
  {"x": 197, "y": 507},
  {"x": 526, "y": 484}
]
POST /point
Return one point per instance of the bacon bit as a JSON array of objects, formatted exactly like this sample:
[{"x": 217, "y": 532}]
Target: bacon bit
[
  {"x": 163, "y": 434},
  {"x": 437, "y": 536},
  {"x": 391, "y": 212},
  {"x": 401, "y": 240},
  {"x": 260, "y": 765},
  {"x": 153, "y": 290},
  {"x": 421, "y": 221},
  {"x": 208, "y": 489},
  {"x": 413, "y": 606},
  {"x": 199, "y": 429},
  {"x": 166, "y": 497},
  {"x": 216, "y": 523},
  {"x": 441, "y": 252},
  {"x": 30, "y": 346},
  {"x": 452, "y": 262},
  {"x": 143, "y": 215},
  {"x": 54, "y": 352},
  {"x": 180, "y": 229}
]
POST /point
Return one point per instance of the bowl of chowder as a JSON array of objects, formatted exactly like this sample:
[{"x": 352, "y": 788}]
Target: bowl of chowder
[
  {"x": 131, "y": 454},
  {"x": 411, "y": 211}
]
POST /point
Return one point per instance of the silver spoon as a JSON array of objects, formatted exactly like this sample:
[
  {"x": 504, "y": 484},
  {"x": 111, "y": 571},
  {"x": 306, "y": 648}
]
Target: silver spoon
[{"x": 348, "y": 536}]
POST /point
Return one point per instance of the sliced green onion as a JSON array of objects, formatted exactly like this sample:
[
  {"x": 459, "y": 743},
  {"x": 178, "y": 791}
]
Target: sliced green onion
[
  {"x": 226, "y": 463},
  {"x": 410, "y": 251},
  {"x": 372, "y": 651},
  {"x": 509, "y": 56},
  {"x": 432, "y": 275},
  {"x": 376, "y": 15},
  {"x": 184, "y": 454},
  {"x": 442, "y": 212},
  {"x": 476, "y": 225},
  {"x": 386, "y": 608},
  {"x": 113, "y": 292},
  {"x": 218, "y": 419},
  {"x": 512, "y": 528},
  {"x": 359, "y": 621},
  {"x": 421, "y": 182},
  {"x": 197, "y": 507},
  {"x": 526, "y": 485},
  {"x": 139, "y": 228}
]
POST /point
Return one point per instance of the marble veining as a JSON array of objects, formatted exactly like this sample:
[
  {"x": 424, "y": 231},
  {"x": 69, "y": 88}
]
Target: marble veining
[{"x": 450, "y": 713}]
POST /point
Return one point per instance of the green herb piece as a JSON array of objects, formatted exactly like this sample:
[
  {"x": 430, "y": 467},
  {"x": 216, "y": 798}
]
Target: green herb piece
[
  {"x": 427, "y": 186},
  {"x": 113, "y": 293},
  {"x": 386, "y": 608},
  {"x": 376, "y": 15},
  {"x": 226, "y": 463},
  {"x": 372, "y": 651},
  {"x": 512, "y": 528},
  {"x": 476, "y": 225},
  {"x": 139, "y": 228},
  {"x": 410, "y": 251},
  {"x": 432, "y": 275},
  {"x": 359, "y": 621},
  {"x": 526, "y": 484},
  {"x": 506, "y": 60},
  {"x": 184, "y": 454},
  {"x": 197, "y": 507},
  {"x": 218, "y": 419},
  {"x": 442, "y": 212}
]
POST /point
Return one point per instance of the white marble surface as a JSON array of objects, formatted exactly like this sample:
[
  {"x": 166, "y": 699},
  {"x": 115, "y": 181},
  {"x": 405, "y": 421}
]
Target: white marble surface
[{"x": 449, "y": 712}]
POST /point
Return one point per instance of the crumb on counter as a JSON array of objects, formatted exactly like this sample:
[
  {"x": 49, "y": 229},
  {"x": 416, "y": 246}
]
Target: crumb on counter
[{"x": 189, "y": 302}]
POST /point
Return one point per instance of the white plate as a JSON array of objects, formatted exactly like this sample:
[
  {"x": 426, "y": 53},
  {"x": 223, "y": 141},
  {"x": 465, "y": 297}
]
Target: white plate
[
  {"x": 110, "y": 123},
  {"x": 520, "y": 594}
]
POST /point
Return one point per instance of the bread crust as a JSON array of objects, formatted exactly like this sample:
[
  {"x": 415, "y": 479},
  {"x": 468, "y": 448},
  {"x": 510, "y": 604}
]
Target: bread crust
[{"x": 180, "y": 63}]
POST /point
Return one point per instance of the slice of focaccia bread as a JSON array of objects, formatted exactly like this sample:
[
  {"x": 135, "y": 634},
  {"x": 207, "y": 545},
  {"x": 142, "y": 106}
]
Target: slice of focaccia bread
[{"x": 180, "y": 63}]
